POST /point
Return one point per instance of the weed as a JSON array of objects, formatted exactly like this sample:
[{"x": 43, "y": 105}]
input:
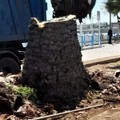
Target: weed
[{"x": 25, "y": 92}]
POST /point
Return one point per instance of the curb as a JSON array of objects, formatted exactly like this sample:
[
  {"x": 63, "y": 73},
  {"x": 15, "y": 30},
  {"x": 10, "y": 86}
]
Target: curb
[{"x": 101, "y": 61}]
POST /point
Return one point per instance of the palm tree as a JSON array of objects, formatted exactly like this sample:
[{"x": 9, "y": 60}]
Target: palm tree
[{"x": 113, "y": 6}]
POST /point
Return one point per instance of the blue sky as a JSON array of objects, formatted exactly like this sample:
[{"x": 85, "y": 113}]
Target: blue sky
[{"x": 99, "y": 6}]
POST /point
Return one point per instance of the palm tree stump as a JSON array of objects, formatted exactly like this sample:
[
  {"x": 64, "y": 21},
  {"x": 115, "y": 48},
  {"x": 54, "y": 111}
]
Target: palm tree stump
[{"x": 53, "y": 62}]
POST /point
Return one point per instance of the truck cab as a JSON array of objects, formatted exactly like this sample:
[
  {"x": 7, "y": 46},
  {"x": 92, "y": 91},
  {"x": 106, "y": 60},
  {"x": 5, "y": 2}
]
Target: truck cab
[{"x": 14, "y": 20}]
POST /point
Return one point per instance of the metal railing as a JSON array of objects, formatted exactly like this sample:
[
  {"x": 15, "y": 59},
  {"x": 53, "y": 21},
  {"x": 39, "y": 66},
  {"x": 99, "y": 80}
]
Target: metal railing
[{"x": 89, "y": 40}]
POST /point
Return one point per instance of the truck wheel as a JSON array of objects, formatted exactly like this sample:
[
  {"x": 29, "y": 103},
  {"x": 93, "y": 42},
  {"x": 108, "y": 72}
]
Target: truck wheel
[{"x": 9, "y": 65}]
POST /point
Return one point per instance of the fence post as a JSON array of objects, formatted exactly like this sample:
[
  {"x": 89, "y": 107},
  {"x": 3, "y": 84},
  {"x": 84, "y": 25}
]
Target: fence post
[{"x": 92, "y": 40}]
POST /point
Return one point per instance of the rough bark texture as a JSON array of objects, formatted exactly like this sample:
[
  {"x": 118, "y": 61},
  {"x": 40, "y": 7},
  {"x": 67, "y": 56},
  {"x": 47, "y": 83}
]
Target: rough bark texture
[{"x": 53, "y": 62}]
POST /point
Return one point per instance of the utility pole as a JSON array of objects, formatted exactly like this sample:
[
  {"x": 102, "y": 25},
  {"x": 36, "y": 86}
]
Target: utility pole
[
  {"x": 98, "y": 19},
  {"x": 110, "y": 20}
]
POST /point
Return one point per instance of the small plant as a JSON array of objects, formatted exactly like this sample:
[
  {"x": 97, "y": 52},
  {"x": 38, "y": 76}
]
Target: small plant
[{"x": 25, "y": 92}]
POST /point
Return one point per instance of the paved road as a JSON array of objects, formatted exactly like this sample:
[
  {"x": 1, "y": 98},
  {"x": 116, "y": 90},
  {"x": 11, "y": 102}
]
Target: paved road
[{"x": 106, "y": 52}]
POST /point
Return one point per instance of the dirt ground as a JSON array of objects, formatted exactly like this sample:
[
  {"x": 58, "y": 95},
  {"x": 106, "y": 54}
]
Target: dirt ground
[{"x": 108, "y": 77}]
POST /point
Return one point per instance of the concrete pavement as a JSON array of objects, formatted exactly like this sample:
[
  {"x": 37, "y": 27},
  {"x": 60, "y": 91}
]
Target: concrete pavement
[{"x": 101, "y": 54}]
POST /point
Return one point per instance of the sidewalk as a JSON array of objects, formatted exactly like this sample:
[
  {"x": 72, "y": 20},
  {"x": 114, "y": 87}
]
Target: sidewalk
[{"x": 105, "y": 53}]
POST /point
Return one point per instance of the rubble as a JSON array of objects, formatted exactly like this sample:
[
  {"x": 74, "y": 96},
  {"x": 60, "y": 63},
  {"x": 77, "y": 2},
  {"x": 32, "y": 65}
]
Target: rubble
[{"x": 12, "y": 105}]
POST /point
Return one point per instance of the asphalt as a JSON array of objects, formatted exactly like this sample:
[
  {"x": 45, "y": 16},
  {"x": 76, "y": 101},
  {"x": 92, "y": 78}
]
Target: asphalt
[{"x": 100, "y": 54}]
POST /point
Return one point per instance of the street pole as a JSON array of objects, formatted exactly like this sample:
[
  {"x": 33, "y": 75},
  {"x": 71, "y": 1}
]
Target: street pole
[
  {"x": 110, "y": 20},
  {"x": 99, "y": 33},
  {"x": 98, "y": 18},
  {"x": 80, "y": 34},
  {"x": 92, "y": 37}
]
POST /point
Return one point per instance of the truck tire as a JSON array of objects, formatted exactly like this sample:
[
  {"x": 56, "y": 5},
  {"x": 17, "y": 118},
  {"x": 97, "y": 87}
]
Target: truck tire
[{"x": 9, "y": 65}]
